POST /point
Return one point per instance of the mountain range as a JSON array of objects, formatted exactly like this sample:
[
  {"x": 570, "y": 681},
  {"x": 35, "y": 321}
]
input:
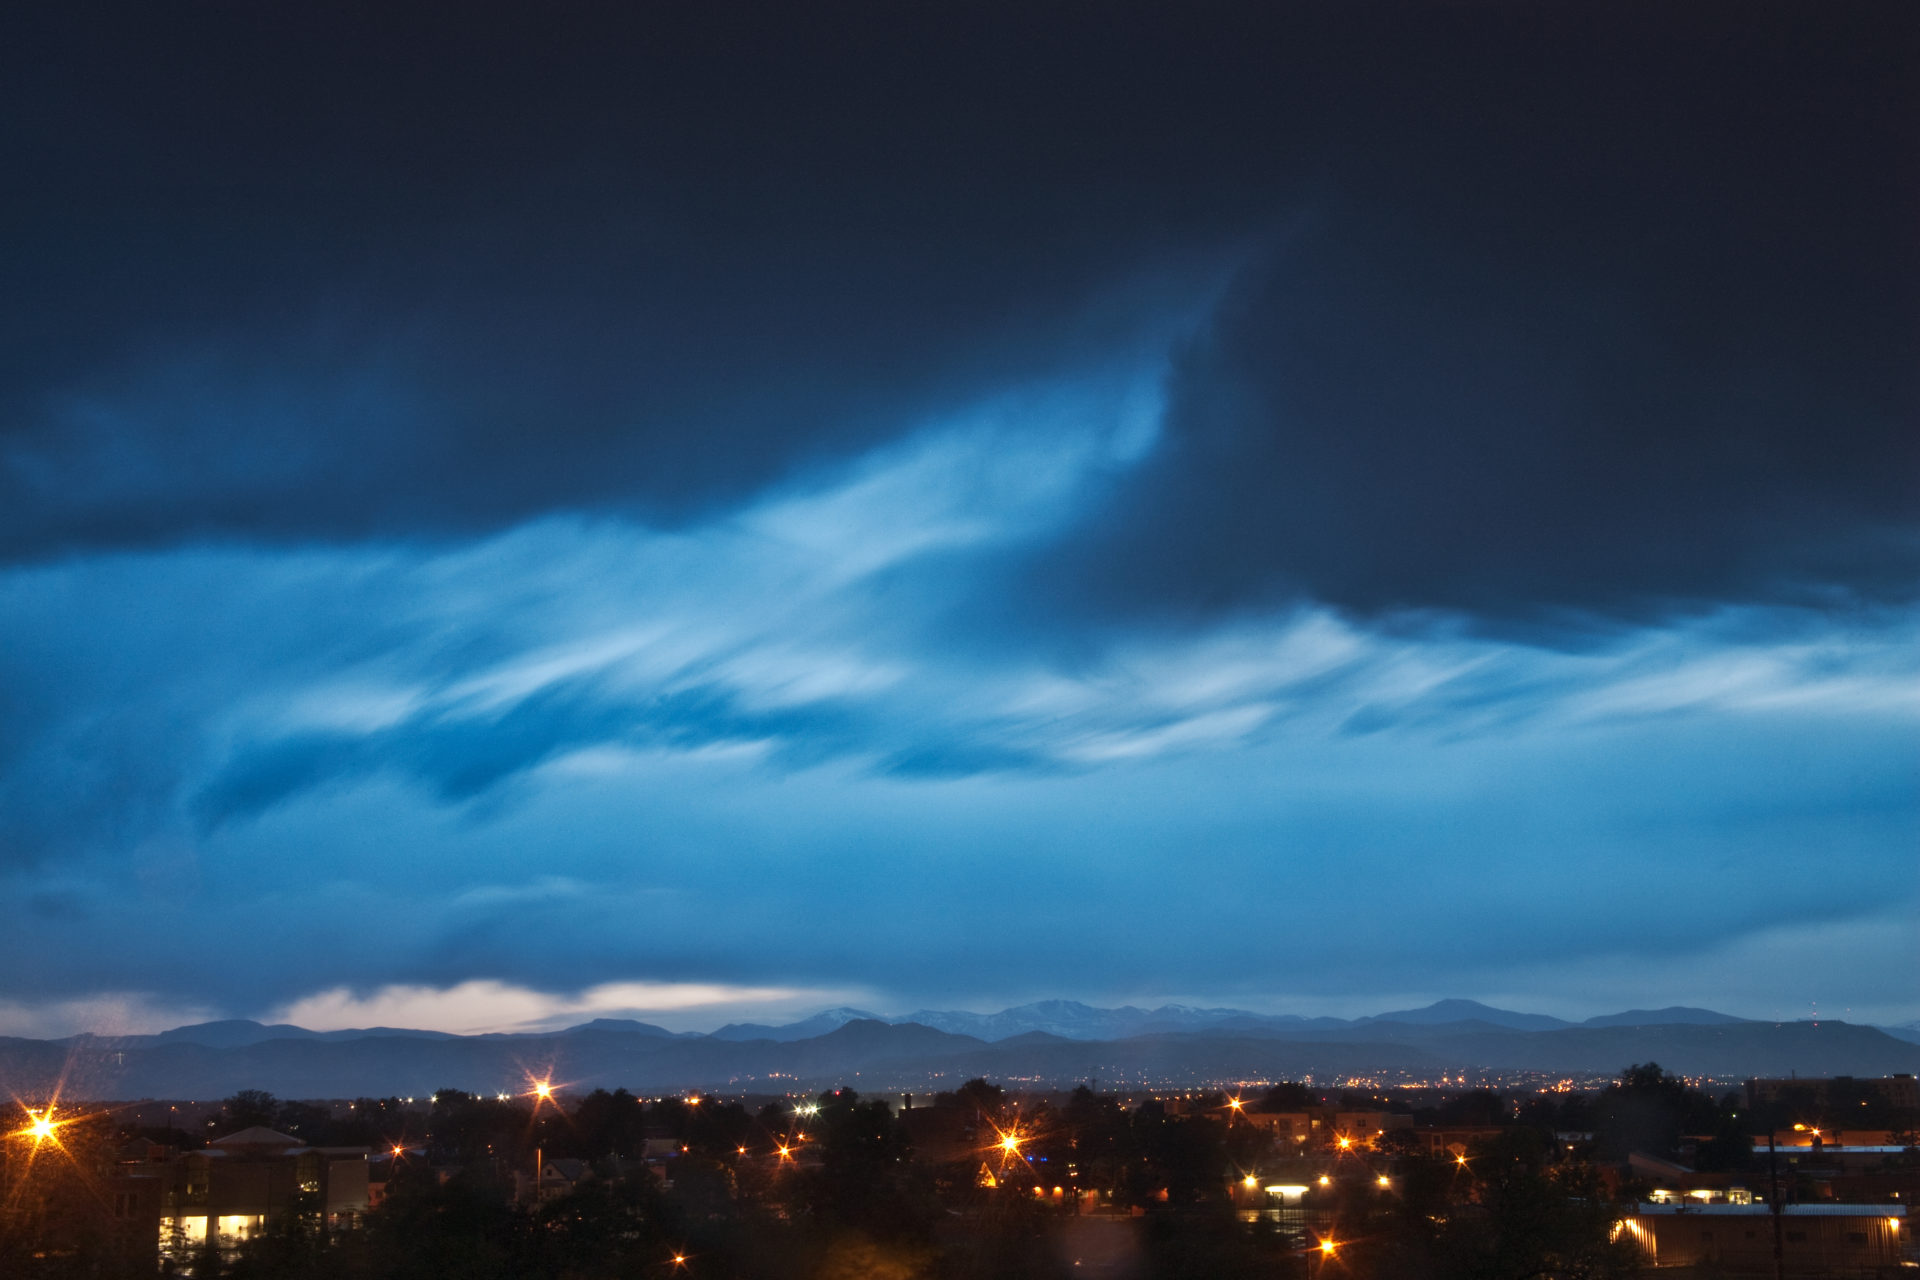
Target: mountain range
[
  {"x": 1072, "y": 1020},
  {"x": 1058, "y": 1042}
]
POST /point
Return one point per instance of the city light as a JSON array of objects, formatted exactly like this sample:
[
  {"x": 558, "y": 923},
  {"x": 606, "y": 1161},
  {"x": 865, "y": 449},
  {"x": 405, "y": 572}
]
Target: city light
[
  {"x": 1328, "y": 1248},
  {"x": 41, "y": 1127}
]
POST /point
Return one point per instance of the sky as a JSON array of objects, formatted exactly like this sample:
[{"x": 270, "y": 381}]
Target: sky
[{"x": 705, "y": 513}]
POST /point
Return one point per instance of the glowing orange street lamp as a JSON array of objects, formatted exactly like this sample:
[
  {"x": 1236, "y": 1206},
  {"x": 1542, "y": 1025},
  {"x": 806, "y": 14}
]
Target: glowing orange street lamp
[{"x": 41, "y": 1127}]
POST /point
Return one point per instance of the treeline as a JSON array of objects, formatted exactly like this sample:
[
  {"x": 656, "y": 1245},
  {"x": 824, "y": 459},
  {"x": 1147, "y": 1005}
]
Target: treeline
[{"x": 863, "y": 1203}]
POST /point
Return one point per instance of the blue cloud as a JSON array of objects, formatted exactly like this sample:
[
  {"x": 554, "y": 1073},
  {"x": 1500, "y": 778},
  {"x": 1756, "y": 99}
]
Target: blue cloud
[{"x": 743, "y": 752}]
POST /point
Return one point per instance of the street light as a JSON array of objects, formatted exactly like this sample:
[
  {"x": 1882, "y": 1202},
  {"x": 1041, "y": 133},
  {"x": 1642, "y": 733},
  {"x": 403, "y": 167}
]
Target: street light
[{"x": 41, "y": 1127}]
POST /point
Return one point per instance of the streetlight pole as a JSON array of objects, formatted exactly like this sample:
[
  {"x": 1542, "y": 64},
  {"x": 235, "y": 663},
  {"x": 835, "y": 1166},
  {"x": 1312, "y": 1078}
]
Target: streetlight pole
[{"x": 1773, "y": 1198}]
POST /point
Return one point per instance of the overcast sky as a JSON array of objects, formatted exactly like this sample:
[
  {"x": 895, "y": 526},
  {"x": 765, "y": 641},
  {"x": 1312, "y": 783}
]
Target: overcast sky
[{"x": 696, "y": 512}]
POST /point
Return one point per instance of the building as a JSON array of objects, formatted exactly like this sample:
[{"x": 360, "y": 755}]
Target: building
[
  {"x": 240, "y": 1184},
  {"x": 1326, "y": 1126},
  {"x": 1827, "y": 1240},
  {"x": 1456, "y": 1139},
  {"x": 1672, "y": 1183},
  {"x": 1286, "y": 1126},
  {"x": 1801, "y": 1137}
]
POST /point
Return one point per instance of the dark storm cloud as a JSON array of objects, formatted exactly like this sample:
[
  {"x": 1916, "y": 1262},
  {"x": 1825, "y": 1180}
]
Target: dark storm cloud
[
  {"x": 1381, "y": 421},
  {"x": 326, "y": 275},
  {"x": 1635, "y": 281}
]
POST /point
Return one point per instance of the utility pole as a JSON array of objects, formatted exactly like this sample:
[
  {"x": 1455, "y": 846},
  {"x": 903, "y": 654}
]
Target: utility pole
[{"x": 1773, "y": 1201}]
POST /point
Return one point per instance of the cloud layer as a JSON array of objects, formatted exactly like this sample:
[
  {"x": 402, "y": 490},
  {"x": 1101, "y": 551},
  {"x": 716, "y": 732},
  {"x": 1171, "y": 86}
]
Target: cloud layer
[
  {"x": 956, "y": 507},
  {"x": 747, "y": 755}
]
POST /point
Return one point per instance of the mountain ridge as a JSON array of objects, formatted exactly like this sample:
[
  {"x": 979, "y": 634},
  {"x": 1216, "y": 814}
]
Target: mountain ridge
[
  {"x": 1057, "y": 1040},
  {"x": 1067, "y": 1019},
  {"x": 871, "y": 1054}
]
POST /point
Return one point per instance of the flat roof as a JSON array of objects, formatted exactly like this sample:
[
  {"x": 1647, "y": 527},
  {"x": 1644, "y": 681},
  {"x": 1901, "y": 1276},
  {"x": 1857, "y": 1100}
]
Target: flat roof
[{"x": 1764, "y": 1210}]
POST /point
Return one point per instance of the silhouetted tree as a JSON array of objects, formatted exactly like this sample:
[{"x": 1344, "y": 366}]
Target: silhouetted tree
[
  {"x": 247, "y": 1109},
  {"x": 608, "y": 1124},
  {"x": 1287, "y": 1096}
]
